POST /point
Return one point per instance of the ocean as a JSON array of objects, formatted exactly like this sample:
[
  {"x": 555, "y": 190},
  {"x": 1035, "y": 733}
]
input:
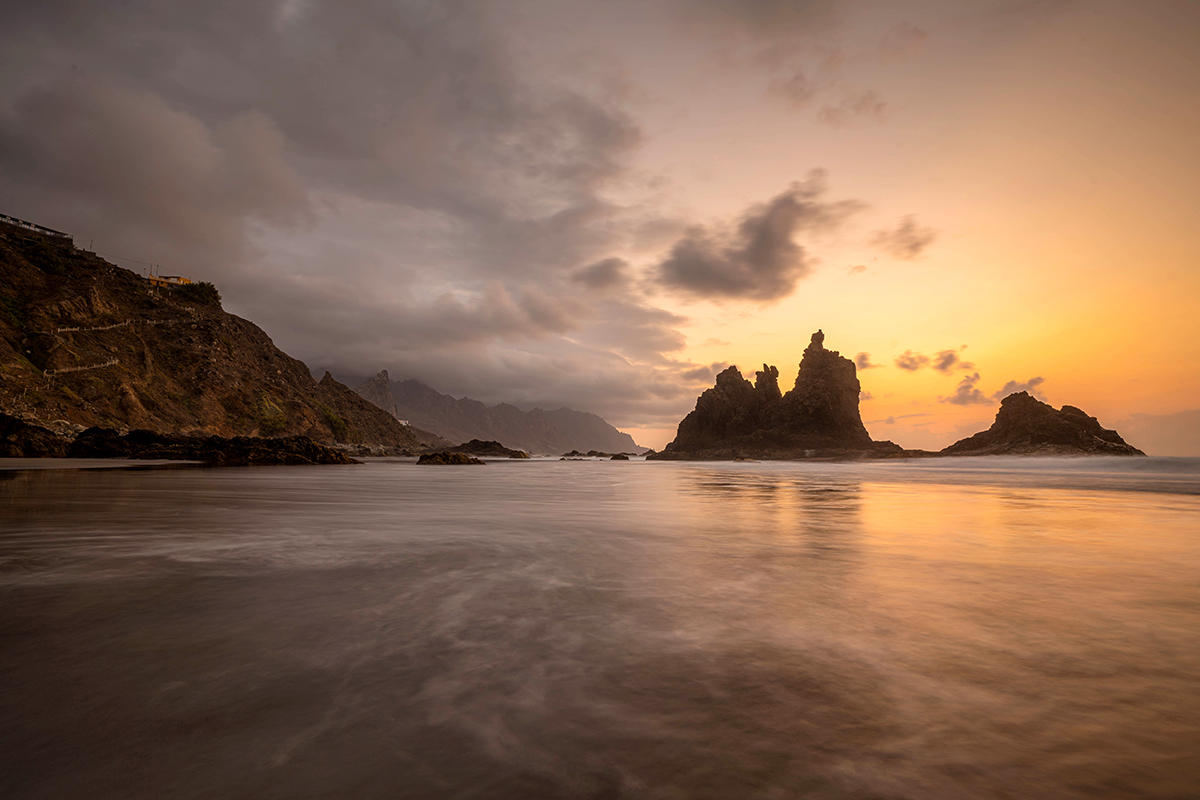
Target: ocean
[{"x": 951, "y": 628}]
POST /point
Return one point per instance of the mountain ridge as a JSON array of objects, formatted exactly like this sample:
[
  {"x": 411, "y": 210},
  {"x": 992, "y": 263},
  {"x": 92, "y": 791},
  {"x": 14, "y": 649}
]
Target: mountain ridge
[{"x": 462, "y": 419}]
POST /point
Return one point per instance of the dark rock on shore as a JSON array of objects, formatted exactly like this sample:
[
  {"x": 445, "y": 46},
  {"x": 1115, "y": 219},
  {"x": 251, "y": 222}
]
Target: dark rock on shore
[
  {"x": 475, "y": 447},
  {"x": 619, "y": 457},
  {"x": 818, "y": 418},
  {"x": 575, "y": 455},
  {"x": 1026, "y": 426},
  {"x": 448, "y": 458},
  {"x": 214, "y": 450},
  {"x": 19, "y": 439}
]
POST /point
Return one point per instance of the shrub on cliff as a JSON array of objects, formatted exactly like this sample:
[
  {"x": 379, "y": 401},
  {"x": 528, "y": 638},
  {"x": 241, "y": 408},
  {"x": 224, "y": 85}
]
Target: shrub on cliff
[{"x": 202, "y": 293}]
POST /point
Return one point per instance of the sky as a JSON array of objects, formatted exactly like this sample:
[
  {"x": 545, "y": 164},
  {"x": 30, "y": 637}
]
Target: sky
[{"x": 602, "y": 204}]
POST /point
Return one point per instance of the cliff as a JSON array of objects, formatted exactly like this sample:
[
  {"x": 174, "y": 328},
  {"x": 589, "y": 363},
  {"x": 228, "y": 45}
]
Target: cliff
[
  {"x": 86, "y": 343},
  {"x": 817, "y": 417},
  {"x": 462, "y": 419},
  {"x": 1026, "y": 426}
]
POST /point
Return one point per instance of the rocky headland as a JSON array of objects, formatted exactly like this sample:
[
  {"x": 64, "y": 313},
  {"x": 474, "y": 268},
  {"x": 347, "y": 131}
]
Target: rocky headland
[
  {"x": 817, "y": 418},
  {"x": 1026, "y": 426},
  {"x": 85, "y": 343}
]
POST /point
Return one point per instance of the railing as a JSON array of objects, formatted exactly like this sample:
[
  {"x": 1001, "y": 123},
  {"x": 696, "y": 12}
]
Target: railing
[
  {"x": 50, "y": 373},
  {"x": 33, "y": 226}
]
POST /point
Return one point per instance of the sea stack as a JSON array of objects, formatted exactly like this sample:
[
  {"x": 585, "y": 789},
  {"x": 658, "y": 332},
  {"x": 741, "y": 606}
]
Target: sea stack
[
  {"x": 818, "y": 418},
  {"x": 1026, "y": 426}
]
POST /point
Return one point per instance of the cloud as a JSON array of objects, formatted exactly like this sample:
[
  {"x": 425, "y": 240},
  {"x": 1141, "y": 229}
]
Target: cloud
[
  {"x": 864, "y": 105},
  {"x": 906, "y": 241},
  {"x": 908, "y": 360},
  {"x": 607, "y": 273},
  {"x": 1030, "y": 386},
  {"x": 863, "y": 361},
  {"x": 758, "y": 258},
  {"x": 856, "y": 269},
  {"x": 946, "y": 361},
  {"x": 796, "y": 89},
  {"x": 900, "y": 41},
  {"x": 704, "y": 374},
  {"x": 864, "y": 396},
  {"x": 891, "y": 420},
  {"x": 966, "y": 394},
  {"x": 129, "y": 158}
]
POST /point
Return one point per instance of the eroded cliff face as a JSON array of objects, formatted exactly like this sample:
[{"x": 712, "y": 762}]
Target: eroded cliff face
[
  {"x": 819, "y": 416},
  {"x": 1026, "y": 426}
]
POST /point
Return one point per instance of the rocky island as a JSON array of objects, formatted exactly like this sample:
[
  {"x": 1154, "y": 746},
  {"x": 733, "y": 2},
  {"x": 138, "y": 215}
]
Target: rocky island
[
  {"x": 817, "y": 418},
  {"x": 1026, "y": 426}
]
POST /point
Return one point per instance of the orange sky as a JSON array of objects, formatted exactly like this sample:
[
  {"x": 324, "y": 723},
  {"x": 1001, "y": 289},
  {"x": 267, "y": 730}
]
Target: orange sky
[{"x": 1058, "y": 165}]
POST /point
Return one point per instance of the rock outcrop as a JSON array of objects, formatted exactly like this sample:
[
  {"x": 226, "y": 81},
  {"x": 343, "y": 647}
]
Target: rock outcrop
[
  {"x": 1026, "y": 426},
  {"x": 462, "y": 419},
  {"x": 447, "y": 459},
  {"x": 19, "y": 439},
  {"x": 475, "y": 447},
  {"x": 817, "y": 418}
]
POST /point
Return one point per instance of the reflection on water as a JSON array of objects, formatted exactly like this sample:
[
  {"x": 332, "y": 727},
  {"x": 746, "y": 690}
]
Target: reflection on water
[{"x": 603, "y": 630}]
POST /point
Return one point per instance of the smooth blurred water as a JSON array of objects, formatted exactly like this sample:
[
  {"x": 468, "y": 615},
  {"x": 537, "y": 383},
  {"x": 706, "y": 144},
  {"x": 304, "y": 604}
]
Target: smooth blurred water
[{"x": 966, "y": 628}]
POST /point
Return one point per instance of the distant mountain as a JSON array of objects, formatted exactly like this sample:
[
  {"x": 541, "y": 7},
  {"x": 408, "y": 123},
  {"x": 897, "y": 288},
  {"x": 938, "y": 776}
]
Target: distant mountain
[{"x": 460, "y": 420}]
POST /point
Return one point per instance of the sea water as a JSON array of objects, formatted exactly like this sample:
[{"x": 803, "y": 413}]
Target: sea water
[{"x": 958, "y": 628}]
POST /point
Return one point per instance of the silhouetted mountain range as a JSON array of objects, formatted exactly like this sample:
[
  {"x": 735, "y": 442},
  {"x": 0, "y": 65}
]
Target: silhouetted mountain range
[{"x": 462, "y": 419}]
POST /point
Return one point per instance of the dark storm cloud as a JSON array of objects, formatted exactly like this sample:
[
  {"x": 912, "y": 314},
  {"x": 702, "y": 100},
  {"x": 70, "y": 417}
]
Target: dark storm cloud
[
  {"x": 906, "y": 241},
  {"x": 757, "y": 259},
  {"x": 90, "y": 150},
  {"x": 908, "y": 360},
  {"x": 946, "y": 361},
  {"x": 1030, "y": 386},
  {"x": 863, "y": 361},
  {"x": 414, "y": 104},
  {"x": 967, "y": 394}
]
